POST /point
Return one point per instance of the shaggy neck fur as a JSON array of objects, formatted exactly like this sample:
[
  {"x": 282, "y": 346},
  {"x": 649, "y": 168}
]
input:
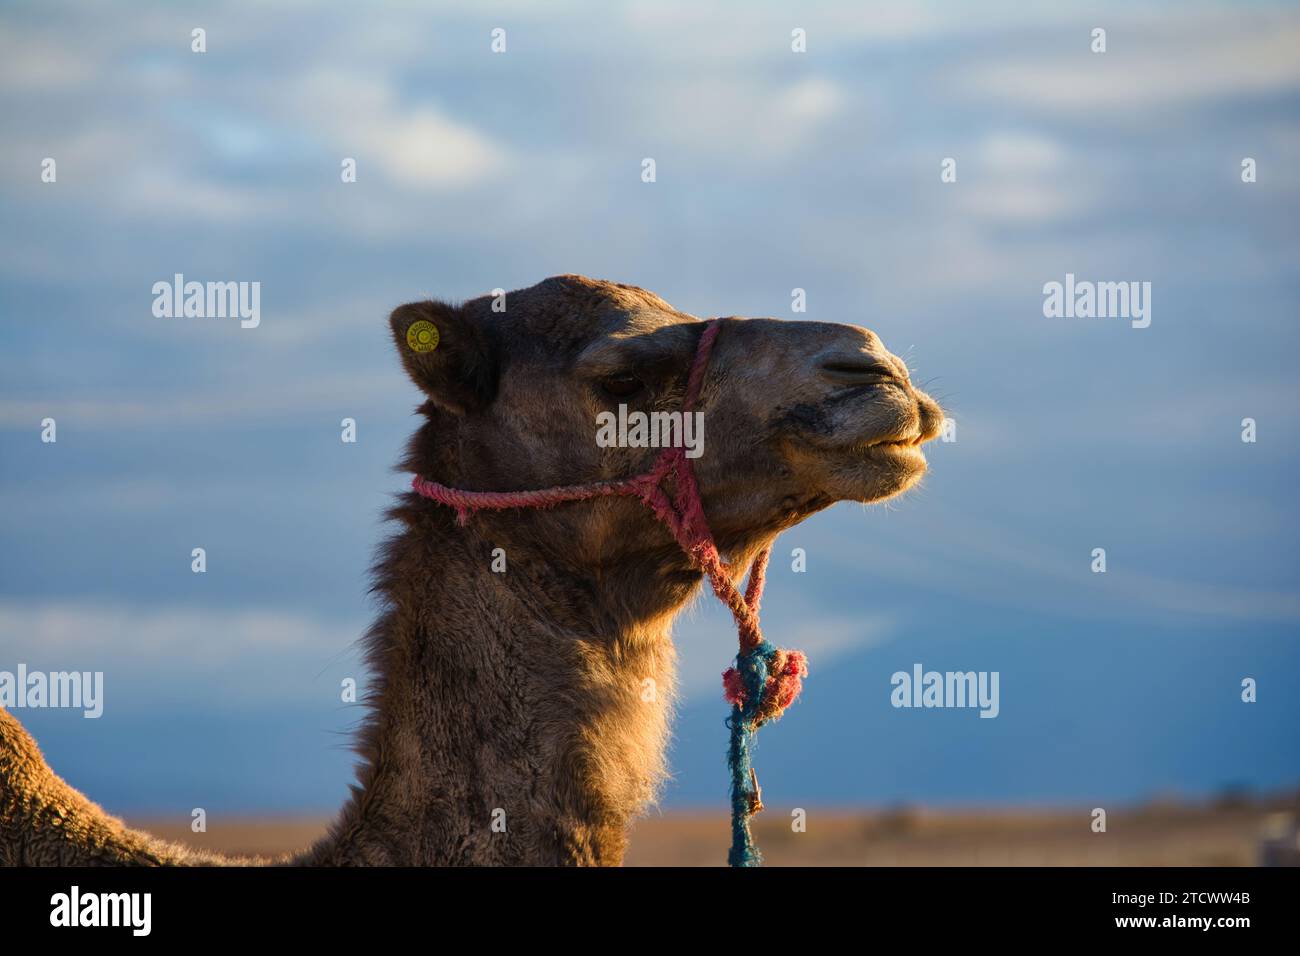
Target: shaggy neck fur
[
  {"x": 515, "y": 718},
  {"x": 518, "y": 717}
]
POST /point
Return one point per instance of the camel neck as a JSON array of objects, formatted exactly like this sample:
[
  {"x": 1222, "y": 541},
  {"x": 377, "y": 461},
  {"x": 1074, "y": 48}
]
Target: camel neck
[{"x": 519, "y": 705}]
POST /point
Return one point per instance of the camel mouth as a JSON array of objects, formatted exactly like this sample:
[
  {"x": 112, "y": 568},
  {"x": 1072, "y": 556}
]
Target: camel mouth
[
  {"x": 910, "y": 440},
  {"x": 898, "y": 461},
  {"x": 914, "y": 441},
  {"x": 907, "y": 449}
]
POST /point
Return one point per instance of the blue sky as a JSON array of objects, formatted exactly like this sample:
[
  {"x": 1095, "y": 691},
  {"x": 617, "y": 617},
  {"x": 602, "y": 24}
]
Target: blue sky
[{"x": 774, "y": 171}]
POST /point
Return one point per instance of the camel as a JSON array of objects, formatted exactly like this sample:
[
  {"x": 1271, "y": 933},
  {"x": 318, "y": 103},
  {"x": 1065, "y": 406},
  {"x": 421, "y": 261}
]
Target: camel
[{"x": 507, "y": 719}]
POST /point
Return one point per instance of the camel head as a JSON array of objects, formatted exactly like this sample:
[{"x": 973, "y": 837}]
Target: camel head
[{"x": 797, "y": 414}]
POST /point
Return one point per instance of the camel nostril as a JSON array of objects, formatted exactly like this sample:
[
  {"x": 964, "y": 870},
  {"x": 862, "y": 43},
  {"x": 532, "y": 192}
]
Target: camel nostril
[{"x": 856, "y": 370}]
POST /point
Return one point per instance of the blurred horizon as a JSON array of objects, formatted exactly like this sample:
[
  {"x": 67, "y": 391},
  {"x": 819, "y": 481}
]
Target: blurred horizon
[{"x": 775, "y": 171}]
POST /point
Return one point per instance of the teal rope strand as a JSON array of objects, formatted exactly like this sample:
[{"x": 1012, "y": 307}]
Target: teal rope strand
[{"x": 752, "y": 666}]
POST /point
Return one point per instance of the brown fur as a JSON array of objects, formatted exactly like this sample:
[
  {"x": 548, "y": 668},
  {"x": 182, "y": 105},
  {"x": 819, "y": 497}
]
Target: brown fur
[{"x": 523, "y": 692}]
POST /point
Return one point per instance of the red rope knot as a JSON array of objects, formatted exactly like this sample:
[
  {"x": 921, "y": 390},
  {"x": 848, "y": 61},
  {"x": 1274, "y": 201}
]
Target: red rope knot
[{"x": 778, "y": 672}]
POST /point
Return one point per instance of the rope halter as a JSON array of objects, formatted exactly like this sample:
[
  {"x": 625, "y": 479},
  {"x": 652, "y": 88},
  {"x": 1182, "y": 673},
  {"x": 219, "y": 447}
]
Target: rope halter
[{"x": 765, "y": 680}]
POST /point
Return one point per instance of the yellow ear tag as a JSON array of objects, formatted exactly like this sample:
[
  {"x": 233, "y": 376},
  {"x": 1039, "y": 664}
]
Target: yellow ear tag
[{"x": 422, "y": 336}]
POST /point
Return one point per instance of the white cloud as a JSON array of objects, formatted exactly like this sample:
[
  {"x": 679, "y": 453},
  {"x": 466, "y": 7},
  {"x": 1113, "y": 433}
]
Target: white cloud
[
  {"x": 1020, "y": 178},
  {"x": 1019, "y": 153},
  {"x": 382, "y": 391},
  {"x": 1019, "y": 201},
  {"x": 183, "y": 195},
  {"x": 1202, "y": 58},
  {"x": 742, "y": 118},
  {"x": 249, "y": 653},
  {"x": 702, "y": 30},
  {"x": 414, "y": 145},
  {"x": 32, "y": 63},
  {"x": 988, "y": 559},
  {"x": 812, "y": 99}
]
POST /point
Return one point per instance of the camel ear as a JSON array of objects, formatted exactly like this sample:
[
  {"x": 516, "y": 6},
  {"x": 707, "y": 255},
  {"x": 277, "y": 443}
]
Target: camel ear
[{"x": 447, "y": 354}]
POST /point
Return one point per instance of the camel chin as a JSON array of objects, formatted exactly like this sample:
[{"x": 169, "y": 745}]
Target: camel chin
[{"x": 876, "y": 472}]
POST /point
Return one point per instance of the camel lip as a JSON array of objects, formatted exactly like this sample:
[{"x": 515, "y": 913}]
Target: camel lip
[
  {"x": 906, "y": 441},
  {"x": 889, "y": 444},
  {"x": 909, "y": 449},
  {"x": 905, "y": 452}
]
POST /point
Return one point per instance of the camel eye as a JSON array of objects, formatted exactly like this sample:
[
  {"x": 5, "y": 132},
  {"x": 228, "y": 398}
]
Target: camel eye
[{"x": 621, "y": 386}]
